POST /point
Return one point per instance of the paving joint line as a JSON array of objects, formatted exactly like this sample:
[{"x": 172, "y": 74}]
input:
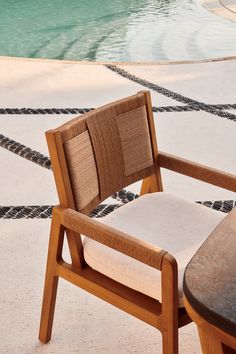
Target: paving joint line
[
  {"x": 45, "y": 211},
  {"x": 36, "y": 111},
  {"x": 171, "y": 94},
  {"x": 25, "y": 152},
  {"x": 122, "y": 197}
]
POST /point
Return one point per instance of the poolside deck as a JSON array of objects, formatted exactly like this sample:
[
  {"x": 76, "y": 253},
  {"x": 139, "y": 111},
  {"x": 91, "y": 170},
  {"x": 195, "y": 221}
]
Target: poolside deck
[{"x": 195, "y": 118}]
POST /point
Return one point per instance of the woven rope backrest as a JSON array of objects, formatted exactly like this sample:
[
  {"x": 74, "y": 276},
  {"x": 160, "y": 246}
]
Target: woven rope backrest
[
  {"x": 107, "y": 149},
  {"x": 82, "y": 169}
]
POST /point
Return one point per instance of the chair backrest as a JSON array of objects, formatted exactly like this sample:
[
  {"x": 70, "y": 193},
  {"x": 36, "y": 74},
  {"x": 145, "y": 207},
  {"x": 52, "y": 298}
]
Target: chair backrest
[{"x": 102, "y": 151}]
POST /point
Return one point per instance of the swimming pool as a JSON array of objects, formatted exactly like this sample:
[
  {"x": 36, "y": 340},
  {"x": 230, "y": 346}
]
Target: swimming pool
[{"x": 117, "y": 30}]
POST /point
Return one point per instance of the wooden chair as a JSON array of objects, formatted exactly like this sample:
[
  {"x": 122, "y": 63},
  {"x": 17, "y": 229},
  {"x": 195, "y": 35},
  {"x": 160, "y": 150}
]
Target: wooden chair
[{"x": 129, "y": 257}]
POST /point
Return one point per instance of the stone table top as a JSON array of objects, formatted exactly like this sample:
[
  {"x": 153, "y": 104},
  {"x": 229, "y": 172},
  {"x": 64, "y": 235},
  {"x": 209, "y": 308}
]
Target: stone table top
[{"x": 210, "y": 277}]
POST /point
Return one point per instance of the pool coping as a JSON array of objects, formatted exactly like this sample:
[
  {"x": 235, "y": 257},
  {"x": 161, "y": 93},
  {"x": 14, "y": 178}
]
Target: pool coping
[
  {"x": 133, "y": 63},
  {"x": 221, "y": 8}
]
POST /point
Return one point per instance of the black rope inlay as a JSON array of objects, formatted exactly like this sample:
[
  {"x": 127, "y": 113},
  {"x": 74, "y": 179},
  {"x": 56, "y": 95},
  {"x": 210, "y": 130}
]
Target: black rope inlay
[
  {"x": 171, "y": 94},
  {"x": 221, "y": 205},
  {"x": 57, "y": 111},
  {"x": 122, "y": 197},
  {"x": 45, "y": 211},
  {"x": 27, "y": 212},
  {"x": 25, "y": 152},
  {"x": 44, "y": 110},
  {"x": 191, "y": 108},
  {"x": 103, "y": 210}
]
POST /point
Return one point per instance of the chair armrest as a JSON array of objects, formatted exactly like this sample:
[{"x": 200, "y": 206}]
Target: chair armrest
[
  {"x": 201, "y": 172},
  {"x": 113, "y": 238}
]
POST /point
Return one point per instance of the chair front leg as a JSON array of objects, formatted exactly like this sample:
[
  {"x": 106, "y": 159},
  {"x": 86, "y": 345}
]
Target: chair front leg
[
  {"x": 51, "y": 278},
  {"x": 169, "y": 305}
]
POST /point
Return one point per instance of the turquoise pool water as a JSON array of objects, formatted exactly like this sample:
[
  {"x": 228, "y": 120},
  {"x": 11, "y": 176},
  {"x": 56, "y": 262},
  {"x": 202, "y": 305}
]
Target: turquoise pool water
[{"x": 105, "y": 30}]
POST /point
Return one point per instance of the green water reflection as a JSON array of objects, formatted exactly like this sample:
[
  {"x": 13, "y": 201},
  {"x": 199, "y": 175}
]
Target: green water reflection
[{"x": 134, "y": 30}]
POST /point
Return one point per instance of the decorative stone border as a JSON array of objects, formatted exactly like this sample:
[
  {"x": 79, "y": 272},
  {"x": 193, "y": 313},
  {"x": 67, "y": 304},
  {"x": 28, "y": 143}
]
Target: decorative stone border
[
  {"x": 33, "y": 111},
  {"x": 26, "y": 212},
  {"x": 122, "y": 197},
  {"x": 221, "y": 205},
  {"x": 25, "y": 152},
  {"x": 171, "y": 94},
  {"x": 57, "y": 111},
  {"x": 45, "y": 211}
]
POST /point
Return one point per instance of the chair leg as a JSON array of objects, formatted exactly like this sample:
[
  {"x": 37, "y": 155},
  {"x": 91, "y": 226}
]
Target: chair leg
[
  {"x": 48, "y": 307},
  {"x": 51, "y": 279},
  {"x": 169, "y": 305},
  {"x": 170, "y": 339}
]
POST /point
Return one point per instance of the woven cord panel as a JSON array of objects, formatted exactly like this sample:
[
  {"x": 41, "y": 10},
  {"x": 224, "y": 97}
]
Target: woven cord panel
[
  {"x": 105, "y": 137},
  {"x": 82, "y": 169},
  {"x": 135, "y": 140}
]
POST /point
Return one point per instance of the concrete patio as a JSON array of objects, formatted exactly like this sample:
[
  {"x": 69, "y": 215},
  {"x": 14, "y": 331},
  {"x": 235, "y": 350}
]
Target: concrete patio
[{"x": 189, "y": 123}]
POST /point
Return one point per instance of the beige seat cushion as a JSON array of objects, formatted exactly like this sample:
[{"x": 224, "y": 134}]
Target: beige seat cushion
[{"x": 174, "y": 224}]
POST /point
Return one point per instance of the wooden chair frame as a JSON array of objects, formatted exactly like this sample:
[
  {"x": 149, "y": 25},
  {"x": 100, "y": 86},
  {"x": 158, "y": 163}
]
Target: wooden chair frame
[{"x": 165, "y": 316}]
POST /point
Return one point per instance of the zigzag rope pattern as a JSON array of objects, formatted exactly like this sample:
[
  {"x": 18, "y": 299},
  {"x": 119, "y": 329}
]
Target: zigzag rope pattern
[
  {"x": 122, "y": 197},
  {"x": 57, "y": 111},
  {"x": 171, "y": 94},
  {"x": 25, "y": 152}
]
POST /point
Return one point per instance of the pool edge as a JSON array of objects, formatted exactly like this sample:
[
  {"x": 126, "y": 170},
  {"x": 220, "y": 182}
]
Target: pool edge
[{"x": 147, "y": 63}]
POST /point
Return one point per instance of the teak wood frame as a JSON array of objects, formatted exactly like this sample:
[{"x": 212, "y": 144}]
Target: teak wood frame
[
  {"x": 165, "y": 316},
  {"x": 213, "y": 339}
]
